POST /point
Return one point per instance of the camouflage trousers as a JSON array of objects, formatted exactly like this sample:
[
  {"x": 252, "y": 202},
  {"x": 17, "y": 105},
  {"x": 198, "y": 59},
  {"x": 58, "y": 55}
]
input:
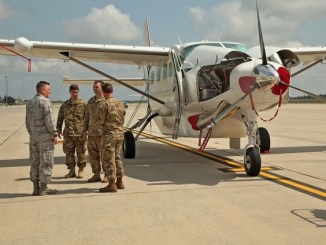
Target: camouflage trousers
[
  {"x": 41, "y": 156},
  {"x": 94, "y": 153},
  {"x": 72, "y": 144},
  {"x": 111, "y": 156}
]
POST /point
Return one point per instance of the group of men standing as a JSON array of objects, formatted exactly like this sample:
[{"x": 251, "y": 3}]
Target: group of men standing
[{"x": 97, "y": 124}]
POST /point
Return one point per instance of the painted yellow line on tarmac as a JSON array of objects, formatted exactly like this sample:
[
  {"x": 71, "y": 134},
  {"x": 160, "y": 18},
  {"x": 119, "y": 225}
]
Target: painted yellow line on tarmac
[
  {"x": 236, "y": 166},
  {"x": 242, "y": 169},
  {"x": 294, "y": 184}
]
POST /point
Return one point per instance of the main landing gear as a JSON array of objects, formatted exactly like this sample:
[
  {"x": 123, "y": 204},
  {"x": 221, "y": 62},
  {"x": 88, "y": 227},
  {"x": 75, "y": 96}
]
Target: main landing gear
[{"x": 129, "y": 145}]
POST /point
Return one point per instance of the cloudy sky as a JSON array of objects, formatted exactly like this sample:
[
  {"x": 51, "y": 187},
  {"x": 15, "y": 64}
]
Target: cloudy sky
[{"x": 288, "y": 23}]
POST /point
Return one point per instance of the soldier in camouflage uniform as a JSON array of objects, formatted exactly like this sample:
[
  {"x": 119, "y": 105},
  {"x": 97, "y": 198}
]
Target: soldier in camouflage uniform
[
  {"x": 72, "y": 114},
  {"x": 93, "y": 132},
  {"x": 111, "y": 117},
  {"x": 40, "y": 124}
]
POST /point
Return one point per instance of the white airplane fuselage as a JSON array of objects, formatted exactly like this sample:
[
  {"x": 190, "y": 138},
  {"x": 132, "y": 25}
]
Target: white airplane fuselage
[{"x": 211, "y": 79}]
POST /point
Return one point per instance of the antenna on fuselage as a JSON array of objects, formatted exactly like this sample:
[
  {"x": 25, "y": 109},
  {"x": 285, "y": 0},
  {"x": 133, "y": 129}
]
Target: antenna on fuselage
[{"x": 180, "y": 42}]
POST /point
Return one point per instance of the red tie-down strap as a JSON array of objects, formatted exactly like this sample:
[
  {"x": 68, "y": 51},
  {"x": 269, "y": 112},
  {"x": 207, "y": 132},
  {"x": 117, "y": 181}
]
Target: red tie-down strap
[
  {"x": 254, "y": 109},
  {"x": 207, "y": 137},
  {"x": 29, "y": 65}
]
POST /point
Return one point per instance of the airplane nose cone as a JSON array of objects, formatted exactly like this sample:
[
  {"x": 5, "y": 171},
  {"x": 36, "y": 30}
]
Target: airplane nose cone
[
  {"x": 266, "y": 76},
  {"x": 285, "y": 77}
]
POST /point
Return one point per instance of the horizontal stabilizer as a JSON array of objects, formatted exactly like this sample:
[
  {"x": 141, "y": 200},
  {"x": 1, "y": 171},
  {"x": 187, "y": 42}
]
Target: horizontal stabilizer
[{"x": 130, "y": 81}]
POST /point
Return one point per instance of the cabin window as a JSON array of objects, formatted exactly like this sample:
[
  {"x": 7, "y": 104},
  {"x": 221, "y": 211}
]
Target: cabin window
[
  {"x": 165, "y": 71},
  {"x": 170, "y": 70},
  {"x": 158, "y": 73},
  {"x": 151, "y": 76}
]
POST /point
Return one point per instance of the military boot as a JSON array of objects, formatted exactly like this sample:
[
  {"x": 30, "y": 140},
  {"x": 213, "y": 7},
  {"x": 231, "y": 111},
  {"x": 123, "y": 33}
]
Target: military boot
[
  {"x": 120, "y": 184},
  {"x": 71, "y": 174},
  {"x": 46, "y": 191},
  {"x": 36, "y": 191},
  {"x": 111, "y": 187},
  {"x": 95, "y": 178},
  {"x": 80, "y": 174},
  {"x": 105, "y": 179}
]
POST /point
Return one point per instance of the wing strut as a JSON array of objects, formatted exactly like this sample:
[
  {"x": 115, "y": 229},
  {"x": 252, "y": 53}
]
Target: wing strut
[
  {"x": 29, "y": 64},
  {"x": 307, "y": 67},
  {"x": 112, "y": 78}
]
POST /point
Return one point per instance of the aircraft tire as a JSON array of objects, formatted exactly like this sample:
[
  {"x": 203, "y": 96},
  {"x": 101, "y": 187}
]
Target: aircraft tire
[
  {"x": 128, "y": 147},
  {"x": 252, "y": 161},
  {"x": 263, "y": 140}
]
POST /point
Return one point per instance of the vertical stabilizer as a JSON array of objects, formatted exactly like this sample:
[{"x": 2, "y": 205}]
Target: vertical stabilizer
[{"x": 147, "y": 37}]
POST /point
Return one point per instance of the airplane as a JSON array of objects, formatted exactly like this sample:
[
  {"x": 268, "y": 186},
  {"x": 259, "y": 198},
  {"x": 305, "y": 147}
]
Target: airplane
[{"x": 210, "y": 88}]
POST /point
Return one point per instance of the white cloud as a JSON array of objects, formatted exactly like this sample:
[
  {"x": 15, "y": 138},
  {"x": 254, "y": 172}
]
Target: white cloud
[
  {"x": 283, "y": 23},
  {"x": 198, "y": 15},
  {"x": 106, "y": 25}
]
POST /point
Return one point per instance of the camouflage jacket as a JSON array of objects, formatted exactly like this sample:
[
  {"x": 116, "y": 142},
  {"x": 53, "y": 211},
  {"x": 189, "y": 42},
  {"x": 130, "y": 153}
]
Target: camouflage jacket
[
  {"x": 91, "y": 124},
  {"x": 72, "y": 114},
  {"x": 111, "y": 116},
  {"x": 40, "y": 120}
]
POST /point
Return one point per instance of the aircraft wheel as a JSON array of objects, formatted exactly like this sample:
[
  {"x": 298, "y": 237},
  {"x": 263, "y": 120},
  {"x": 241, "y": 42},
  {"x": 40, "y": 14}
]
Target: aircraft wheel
[
  {"x": 252, "y": 161},
  {"x": 263, "y": 140},
  {"x": 128, "y": 147}
]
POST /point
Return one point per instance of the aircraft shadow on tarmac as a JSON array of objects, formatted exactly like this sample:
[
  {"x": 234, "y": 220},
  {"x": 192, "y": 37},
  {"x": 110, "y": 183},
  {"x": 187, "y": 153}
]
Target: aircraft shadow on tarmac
[
  {"x": 161, "y": 164},
  {"x": 25, "y": 162},
  {"x": 155, "y": 163},
  {"x": 313, "y": 216},
  {"x": 83, "y": 190}
]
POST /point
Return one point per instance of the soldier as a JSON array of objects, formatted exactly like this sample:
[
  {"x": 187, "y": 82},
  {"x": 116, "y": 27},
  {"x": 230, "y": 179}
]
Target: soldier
[
  {"x": 93, "y": 131},
  {"x": 72, "y": 113},
  {"x": 111, "y": 117},
  {"x": 40, "y": 124}
]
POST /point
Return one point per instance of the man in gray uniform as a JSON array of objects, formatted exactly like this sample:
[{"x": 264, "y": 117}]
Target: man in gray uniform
[{"x": 40, "y": 124}]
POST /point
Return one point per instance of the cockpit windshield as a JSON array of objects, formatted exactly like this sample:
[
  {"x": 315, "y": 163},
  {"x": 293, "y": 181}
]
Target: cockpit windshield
[
  {"x": 187, "y": 50},
  {"x": 237, "y": 46}
]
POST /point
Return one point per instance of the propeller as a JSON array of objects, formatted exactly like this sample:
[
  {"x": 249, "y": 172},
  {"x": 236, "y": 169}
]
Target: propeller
[
  {"x": 264, "y": 59},
  {"x": 317, "y": 97},
  {"x": 261, "y": 40}
]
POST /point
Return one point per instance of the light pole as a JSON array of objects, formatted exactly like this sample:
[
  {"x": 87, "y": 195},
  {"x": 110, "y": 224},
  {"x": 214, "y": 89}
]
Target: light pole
[{"x": 6, "y": 96}]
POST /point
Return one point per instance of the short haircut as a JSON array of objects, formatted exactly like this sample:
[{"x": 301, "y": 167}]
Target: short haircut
[
  {"x": 107, "y": 88},
  {"x": 40, "y": 84},
  {"x": 73, "y": 87},
  {"x": 99, "y": 81}
]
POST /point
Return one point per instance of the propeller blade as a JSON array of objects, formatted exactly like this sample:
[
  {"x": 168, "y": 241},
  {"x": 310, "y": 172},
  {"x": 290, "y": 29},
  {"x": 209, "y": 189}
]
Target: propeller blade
[
  {"x": 317, "y": 97},
  {"x": 261, "y": 40}
]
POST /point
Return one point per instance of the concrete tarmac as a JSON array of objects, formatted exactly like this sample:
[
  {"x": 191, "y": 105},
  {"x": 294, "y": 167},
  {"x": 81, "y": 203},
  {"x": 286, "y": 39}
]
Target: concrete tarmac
[{"x": 172, "y": 195}]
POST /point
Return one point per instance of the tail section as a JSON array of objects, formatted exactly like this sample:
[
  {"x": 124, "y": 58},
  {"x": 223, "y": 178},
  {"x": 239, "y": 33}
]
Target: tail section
[{"x": 147, "y": 37}]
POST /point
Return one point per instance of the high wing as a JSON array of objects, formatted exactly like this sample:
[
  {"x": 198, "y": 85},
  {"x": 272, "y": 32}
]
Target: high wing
[
  {"x": 309, "y": 55},
  {"x": 134, "y": 55},
  {"x": 91, "y": 52},
  {"x": 305, "y": 55}
]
